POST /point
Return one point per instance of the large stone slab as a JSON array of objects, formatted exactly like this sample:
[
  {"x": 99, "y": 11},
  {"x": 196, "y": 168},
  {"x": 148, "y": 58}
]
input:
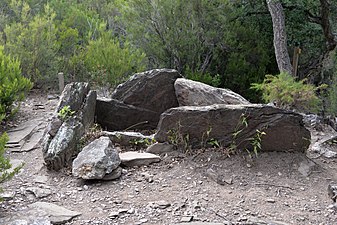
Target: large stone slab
[
  {"x": 113, "y": 115},
  {"x": 284, "y": 129},
  {"x": 193, "y": 93},
  {"x": 152, "y": 90},
  {"x": 96, "y": 160},
  {"x": 56, "y": 214}
]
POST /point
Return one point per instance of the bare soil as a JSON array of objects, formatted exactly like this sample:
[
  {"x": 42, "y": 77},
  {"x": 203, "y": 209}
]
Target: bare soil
[{"x": 205, "y": 186}]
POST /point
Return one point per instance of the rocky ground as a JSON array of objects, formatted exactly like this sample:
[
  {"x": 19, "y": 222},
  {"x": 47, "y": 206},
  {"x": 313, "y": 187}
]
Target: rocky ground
[{"x": 201, "y": 187}]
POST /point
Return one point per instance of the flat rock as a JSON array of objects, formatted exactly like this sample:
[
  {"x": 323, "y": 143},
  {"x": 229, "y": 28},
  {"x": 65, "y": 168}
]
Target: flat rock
[
  {"x": 56, "y": 214},
  {"x": 27, "y": 217},
  {"x": 284, "y": 129},
  {"x": 193, "y": 93},
  {"x": 39, "y": 192},
  {"x": 23, "y": 131},
  {"x": 26, "y": 137},
  {"x": 96, "y": 160},
  {"x": 138, "y": 159}
]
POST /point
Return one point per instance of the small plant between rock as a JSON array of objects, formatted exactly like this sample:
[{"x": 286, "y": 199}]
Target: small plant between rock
[
  {"x": 254, "y": 142},
  {"x": 179, "y": 140},
  {"x": 142, "y": 142},
  {"x": 65, "y": 113}
]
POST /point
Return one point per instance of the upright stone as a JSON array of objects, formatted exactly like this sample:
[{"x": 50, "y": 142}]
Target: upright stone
[
  {"x": 57, "y": 153},
  {"x": 60, "y": 139},
  {"x": 152, "y": 90},
  {"x": 138, "y": 103}
]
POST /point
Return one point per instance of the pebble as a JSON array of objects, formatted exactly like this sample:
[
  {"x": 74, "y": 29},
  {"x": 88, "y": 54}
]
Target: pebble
[
  {"x": 270, "y": 200},
  {"x": 186, "y": 219},
  {"x": 113, "y": 215}
]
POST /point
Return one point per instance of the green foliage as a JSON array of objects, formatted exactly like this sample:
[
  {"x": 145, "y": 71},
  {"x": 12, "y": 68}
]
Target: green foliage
[
  {"x": 288, "y": 93},
  {"x": 111, "y": 62},
  {"x": 13, "y": 86},
  {"x": 254, "y": 143},
  {"x": 142, "y": 142},
  {"x": 206, "y": 78},
  {"x": 178, "y": 139},
  {"x": 34, "y": 44},
  {"x": 65, "y": 113},
  {"x": 5, "y": 165}
]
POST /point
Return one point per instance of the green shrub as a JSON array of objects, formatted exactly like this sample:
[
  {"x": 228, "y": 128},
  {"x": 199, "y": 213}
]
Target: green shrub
[
  {"x": 206, "y": 78},
  {"x": 110, "y": 62},
  {"x": 5, "y": 165},
  {"x": 13, "y": 85},
  {"x": 287, "y": 93}
]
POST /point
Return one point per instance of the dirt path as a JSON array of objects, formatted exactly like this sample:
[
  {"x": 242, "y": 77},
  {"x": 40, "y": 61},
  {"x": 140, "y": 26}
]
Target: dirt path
[{"x": 275, "y": 188}]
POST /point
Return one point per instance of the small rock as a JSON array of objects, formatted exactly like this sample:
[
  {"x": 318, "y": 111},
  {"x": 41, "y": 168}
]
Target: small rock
[
  {"x": 113, "y": 215},
  {"x": 122, "y": 210},
  {"x": 40, "y": 179},
  {"x": 141, "y": 221},
  {"x": 131, "y": 211},
  {"x": 186, "y": 219},
  {"x": 162, "y": 204},
  {"x": 330, "y": 154},
  {"x": 270, "y": 200},
  {"x": 7, "y": 195},
  {"x": 39, "y": 192}
]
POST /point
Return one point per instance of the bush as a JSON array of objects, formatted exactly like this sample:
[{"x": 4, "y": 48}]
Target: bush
[
  {"x": 5, "y": 163},
  {"x": 110, "y": 62},
  {"x": 13, "y": 85},
  {"x": 287, "y": 93}
]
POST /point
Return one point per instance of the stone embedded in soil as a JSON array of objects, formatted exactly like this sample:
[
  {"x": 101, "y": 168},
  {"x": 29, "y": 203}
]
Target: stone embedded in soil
[
  {"x": 39, "y": 192},
  {"x": 56, "y": 214},
  {"x": 96, "y": 160},
  {"x": 138, "y": 159},
  {"x": 159, "y": 148}
]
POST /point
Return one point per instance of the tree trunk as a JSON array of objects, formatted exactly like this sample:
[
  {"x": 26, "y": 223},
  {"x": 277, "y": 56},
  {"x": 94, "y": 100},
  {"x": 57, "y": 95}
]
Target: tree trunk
[{"x": 280, "y": 37}]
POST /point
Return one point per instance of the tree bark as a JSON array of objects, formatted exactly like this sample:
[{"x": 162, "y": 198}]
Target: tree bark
[{"x": 280, "y": 37}]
